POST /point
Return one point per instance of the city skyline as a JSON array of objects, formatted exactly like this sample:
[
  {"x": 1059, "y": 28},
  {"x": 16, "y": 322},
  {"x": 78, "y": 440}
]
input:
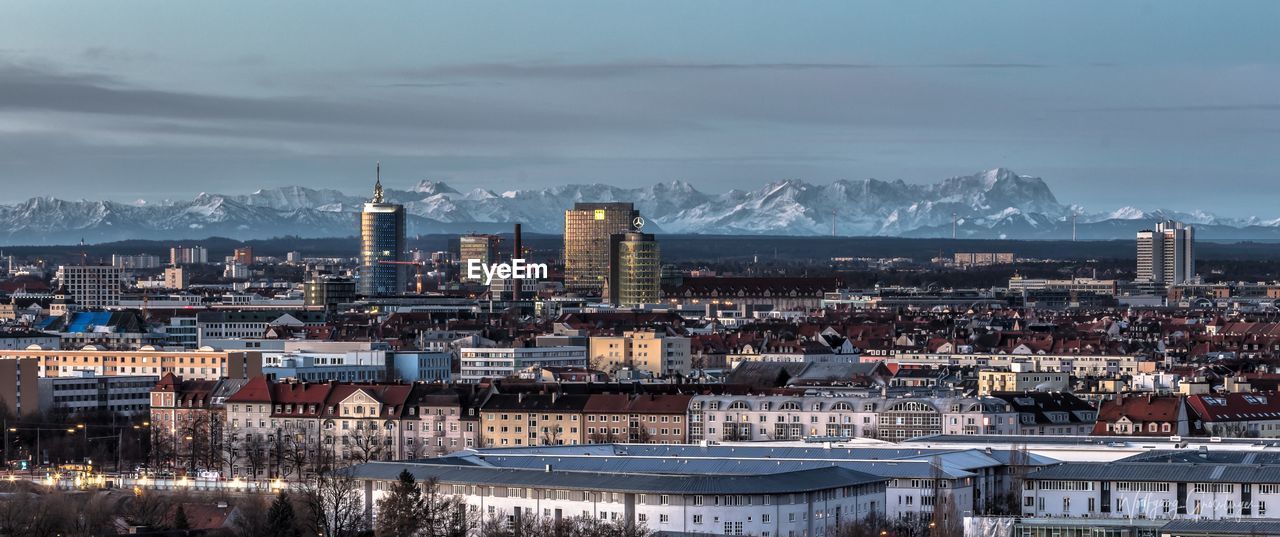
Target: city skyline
[{"x": 718, "y": 95}]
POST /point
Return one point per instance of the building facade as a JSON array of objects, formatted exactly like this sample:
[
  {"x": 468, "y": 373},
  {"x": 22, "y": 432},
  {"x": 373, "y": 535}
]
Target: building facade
[
  {"x": 1167, "y": 254},
  {"x": 92, "y": 286},
  {"x": 479, "y": 363},
  {"x": 635, "y": 269},
  {"x": 588, "y": 228},
  {"x": 382, "y": 240}
]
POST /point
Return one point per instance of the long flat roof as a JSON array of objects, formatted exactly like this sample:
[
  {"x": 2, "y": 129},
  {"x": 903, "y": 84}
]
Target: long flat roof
[
  {"x": 787, "y": 482},
  {"x": 1160, "y": 471}
]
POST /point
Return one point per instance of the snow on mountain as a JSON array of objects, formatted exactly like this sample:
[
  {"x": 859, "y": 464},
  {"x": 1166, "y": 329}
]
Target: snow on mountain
[{"x": 990, "y": 204}]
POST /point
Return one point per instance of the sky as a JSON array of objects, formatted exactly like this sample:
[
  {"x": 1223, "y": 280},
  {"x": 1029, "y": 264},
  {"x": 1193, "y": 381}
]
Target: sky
[{"x": 1156, "y": 104}]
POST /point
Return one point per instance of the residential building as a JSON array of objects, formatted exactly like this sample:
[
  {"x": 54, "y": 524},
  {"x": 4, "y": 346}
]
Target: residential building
[
  {"x": 730, "y": 418},
  {"x": 92, "y": 286},
  {"x": 1167, "y": 254},
  {"x": 132, "y": 262},
  {"x": 176, "y": 278},
  {"x": 992, "y": 381},
  {"x": 241, "y": 324},
  {"x": 210, "y": 365},
  {"x": 188, "y": 255},
  {"x": 636, "y": 418},
  {"x": 1143, "y": 415},
  {"x": 653, "y": 351},
  {"x": 533, "y": 419},
  {"x": 479, "y": 363},
  {"x": 1235, "y": 415}
]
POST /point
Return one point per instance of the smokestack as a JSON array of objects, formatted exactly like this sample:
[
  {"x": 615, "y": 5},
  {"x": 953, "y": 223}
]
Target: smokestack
[{"x": 516, "y": 254}]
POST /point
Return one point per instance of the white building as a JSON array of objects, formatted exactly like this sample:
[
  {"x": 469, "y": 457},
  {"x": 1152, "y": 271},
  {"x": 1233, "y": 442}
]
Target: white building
[
  {"x": 786, "y": 500},
  {"x": 1167, "y": 254},
  {"x": 754, "y": 418},
  {"x": 479, "y": 363}
]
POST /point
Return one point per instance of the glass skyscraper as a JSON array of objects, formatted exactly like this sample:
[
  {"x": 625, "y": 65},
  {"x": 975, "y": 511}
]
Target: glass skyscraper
[
  {"x": 635, "y": 269},
  {"x": 587, "y": 231},
  {"x": 382, "y": 240}
]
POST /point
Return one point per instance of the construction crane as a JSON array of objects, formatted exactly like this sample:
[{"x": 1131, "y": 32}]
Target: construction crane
[{"x": 417, "y": 271}]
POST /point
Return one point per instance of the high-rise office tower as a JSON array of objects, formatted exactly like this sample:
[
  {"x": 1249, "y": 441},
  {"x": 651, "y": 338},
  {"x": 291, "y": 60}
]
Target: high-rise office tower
[
  {"x": 382, "y": 245},
  {"x": 482, "y": 248},
  {"x": 587, "y": 231},
  {"x": 1167, "y": 254},
  {"x": 635, "y": 269}
]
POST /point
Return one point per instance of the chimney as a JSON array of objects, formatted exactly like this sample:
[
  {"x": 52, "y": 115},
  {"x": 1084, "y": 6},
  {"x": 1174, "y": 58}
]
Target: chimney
[{"x": 516, "y": 254}]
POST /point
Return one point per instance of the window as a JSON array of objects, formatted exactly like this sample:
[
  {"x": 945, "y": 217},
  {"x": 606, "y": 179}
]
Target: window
[{"x": 697, "y": 519}]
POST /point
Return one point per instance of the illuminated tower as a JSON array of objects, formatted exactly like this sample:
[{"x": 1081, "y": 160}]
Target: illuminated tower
[{"x": 588, "y": 228}]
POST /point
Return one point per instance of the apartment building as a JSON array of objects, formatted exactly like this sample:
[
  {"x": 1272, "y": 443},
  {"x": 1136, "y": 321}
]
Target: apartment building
[
  {"x": 636, "y": 418},
  {"x": 209, "y": 365},
  {"x": 333, "y": 423},
  {"x": 992, "y": 381},
  {"x": 782, "y": 417},
  {"x": 655, "y": 352},
  {"x": 520, "y": 419},
  {"x": 479, "y": 363}
]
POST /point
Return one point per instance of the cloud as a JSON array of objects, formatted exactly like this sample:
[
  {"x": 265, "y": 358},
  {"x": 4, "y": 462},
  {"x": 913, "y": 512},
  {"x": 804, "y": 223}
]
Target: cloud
[
  {"x": 28, "y": 88},
  {"x": 1258, "y": 107},
  {"x": 633, "y": 68}
]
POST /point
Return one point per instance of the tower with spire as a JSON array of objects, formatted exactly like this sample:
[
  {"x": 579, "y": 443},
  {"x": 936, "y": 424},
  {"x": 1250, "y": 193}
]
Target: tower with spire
[{"x": 382, "y": 244}]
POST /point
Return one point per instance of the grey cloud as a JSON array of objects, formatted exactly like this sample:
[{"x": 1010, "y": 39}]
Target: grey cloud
[
  {"x": 32, "y": 88},
  {"x": 619, "y": 69},
  {"x": 1260, "y": 107}
]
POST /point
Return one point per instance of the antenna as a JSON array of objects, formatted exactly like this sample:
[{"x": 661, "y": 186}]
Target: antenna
[
  {"x": 833, "y": 222},
  {"x": 1073, "y": 226},
  {"x": 953, "y": 224}
]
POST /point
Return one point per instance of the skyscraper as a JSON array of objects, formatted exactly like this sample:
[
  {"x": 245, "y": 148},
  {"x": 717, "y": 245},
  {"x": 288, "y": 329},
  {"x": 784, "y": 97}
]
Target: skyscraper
[
  {"x": 1167, "y": 255},
  {"x": 635, "y": 269},
  {"x": 482, "y": 248},
  {"x": 382, "y": 245},
  {"x": 587, "y": 231}
]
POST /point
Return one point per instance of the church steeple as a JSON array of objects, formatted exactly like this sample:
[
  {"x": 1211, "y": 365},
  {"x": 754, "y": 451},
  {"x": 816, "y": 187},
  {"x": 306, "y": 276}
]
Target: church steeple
[{"x": 377, "y": 185}]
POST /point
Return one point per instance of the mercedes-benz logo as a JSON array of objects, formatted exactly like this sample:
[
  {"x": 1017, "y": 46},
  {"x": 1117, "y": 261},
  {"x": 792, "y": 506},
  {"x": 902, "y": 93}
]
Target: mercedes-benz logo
[{"x": 638, "y": 223}]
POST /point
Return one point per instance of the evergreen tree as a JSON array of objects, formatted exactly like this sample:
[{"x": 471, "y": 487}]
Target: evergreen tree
[
  {"x": 180, "y": 519},
  {"x": 400, "y": 510},
  {"x": 280, "y": 519}
]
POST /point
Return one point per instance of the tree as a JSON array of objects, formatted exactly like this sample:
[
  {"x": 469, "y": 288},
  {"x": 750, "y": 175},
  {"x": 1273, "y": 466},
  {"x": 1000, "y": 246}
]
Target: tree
[
  {"x": 254, "y": 453},
  {"x": 334, "y": 505},
  {"x": 180, "y": 521},
  {"x": 367, "y": 443},
  {"x": 399, "y": 510},
  {"x": 281, "y": 521}
]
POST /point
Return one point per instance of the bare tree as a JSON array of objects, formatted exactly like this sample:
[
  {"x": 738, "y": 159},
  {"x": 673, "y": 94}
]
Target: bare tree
[
  {"x": 334, "y": 505},
  {"x": 254, "y": 452},
  {"x": 367, "y": 444}
]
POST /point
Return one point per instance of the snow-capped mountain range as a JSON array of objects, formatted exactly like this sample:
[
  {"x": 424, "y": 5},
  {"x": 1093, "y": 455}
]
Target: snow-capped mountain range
[{"x": 992, "y": 204}]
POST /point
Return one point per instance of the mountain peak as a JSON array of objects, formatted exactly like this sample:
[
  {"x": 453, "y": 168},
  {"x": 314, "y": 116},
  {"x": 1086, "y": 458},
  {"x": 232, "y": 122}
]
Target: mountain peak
[{"x": 432, "y": 188}]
